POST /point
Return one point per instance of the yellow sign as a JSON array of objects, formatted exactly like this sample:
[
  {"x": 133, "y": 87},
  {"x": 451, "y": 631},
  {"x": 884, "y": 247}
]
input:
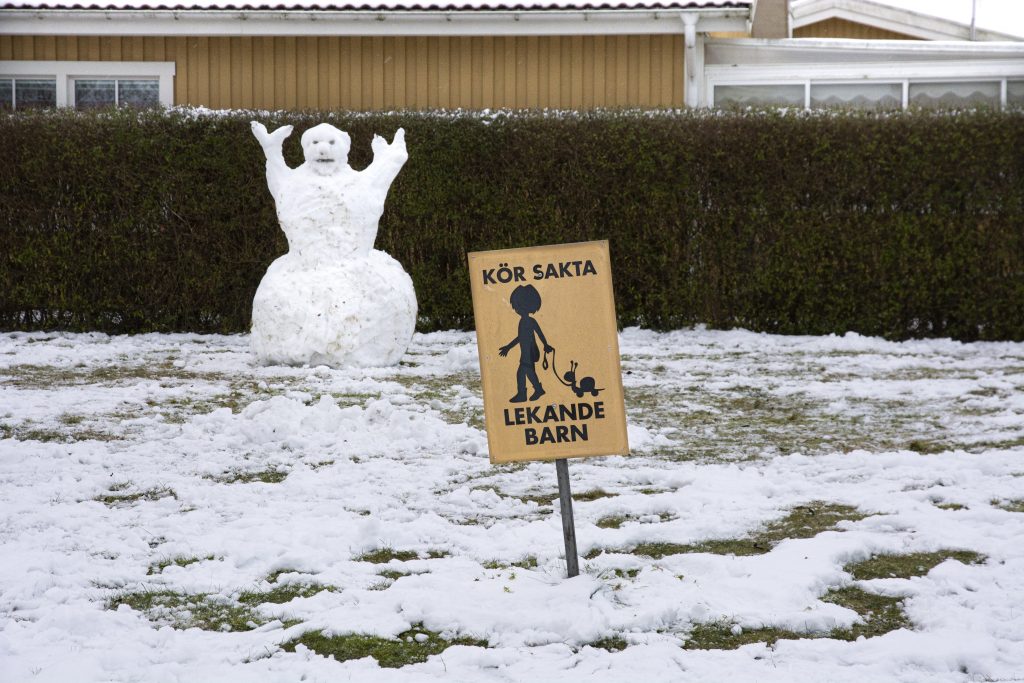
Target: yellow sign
[{"x": 549, "y": 352}]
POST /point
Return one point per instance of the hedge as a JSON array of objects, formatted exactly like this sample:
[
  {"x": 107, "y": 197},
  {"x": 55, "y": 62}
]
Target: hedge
[{"x": 901, "y": 224}]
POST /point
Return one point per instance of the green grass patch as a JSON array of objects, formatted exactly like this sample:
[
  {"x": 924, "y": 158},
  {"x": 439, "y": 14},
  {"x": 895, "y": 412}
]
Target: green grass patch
[
  {"x": 1010, "y": 505},
  {"x": 411, "y": 647},
  {"x": 998, "y": 444},
  {"x": 724, "y": 635},
  {"x": 273, "y": 576},
  {"x": 745, "y": 423},
  {"x": 267, "y": 476},
  {"x": 443, "y": 394},
  {"x": 879, "y": 615},
  {"x": 529, "y": 562},
  {"x": 392, "y": 574},
  {"x": 803, "y": 521},
  {"x": 612, "y": 644},
  {"x": 544, "y": 499},
  {"x": 950, "y": 506},
  {"x": 49, "y": 377},
  {"x": 908, "y": 565},
  {"x": 807, "y": 521},
  {"x": 126, "y": 494},
  {"x": 180, "y": 561},
  {"x": 625, "y": 573},
  {"x": 612, "y": 522},
  {"x": 616, "y": 521},
  {"x": 925, "y": 447},
  {"x": 385, "y": 555},
  {"x": 283, "y": 593},
  {"x": 593, "y": 494},
  {"x": 541, "y": 499},
  {"x": 71, "y": 431},
  {"x": 44, "y": 435},
  {"x": 184, "y": 611}
]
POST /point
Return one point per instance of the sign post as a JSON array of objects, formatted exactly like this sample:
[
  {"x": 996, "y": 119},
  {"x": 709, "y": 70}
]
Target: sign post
[
  {"x": 572, "y": 558},
  {"x": 549, "y": 359}
]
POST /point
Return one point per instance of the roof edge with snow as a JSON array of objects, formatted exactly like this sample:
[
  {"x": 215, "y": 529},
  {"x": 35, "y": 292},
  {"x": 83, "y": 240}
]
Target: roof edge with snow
[{"x": 485, "y": 17}]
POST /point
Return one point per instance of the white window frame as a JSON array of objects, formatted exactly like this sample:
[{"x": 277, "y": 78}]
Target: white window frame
[
  {"x": 863, "y": 72},
  {"x": 67, "y": 72}
]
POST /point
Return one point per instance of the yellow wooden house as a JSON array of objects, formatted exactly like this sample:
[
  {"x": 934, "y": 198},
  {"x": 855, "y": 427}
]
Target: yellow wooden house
[{"x": 490, "y": 54}]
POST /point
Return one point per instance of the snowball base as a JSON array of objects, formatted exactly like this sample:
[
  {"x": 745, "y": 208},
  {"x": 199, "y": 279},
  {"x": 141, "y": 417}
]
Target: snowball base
[{"x": 362, "y": 313}]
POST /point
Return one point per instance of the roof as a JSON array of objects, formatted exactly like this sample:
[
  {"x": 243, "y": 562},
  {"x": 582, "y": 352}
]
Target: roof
[
  {"x": 927, "y": 19},
  {"x": 369, "y": 17},
  {"x": 378, "y": 5}
]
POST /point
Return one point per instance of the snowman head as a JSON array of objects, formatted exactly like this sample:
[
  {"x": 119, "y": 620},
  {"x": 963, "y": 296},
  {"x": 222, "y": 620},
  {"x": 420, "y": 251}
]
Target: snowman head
[{"x": 326, "y": 149}]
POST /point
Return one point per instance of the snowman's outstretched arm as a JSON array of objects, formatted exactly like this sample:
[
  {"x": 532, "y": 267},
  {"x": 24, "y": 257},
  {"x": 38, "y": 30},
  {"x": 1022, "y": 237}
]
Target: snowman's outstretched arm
[
  {"x": 272, "y": 149},
  {"x": 387, "y": 159}
]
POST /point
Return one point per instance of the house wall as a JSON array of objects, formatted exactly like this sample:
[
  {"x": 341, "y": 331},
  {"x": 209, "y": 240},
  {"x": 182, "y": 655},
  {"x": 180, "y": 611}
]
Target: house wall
[
  {"x": 841, "y": 28},
  {"x": 394, "y": 72}
]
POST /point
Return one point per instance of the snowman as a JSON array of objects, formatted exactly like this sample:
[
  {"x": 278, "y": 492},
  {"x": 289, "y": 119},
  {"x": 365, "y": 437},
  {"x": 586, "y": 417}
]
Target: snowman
[{"x": 332, "y": 299}]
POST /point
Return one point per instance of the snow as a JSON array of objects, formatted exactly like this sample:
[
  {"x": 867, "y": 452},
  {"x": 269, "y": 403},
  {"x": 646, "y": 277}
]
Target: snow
[
  {"x": 392, "y": 457},
  {"x": 332, "y": 299}
]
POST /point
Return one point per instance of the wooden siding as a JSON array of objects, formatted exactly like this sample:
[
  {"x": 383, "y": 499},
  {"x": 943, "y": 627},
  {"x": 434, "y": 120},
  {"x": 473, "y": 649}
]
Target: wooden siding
[
  {"x": 374, "y": 73},
  {"x": 841, "y": 28}
]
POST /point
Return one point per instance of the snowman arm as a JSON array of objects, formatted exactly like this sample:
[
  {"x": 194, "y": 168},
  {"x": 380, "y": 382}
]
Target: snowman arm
[
  {"x": 387, "y": 159},
  {"x": 272, "y": 144}
]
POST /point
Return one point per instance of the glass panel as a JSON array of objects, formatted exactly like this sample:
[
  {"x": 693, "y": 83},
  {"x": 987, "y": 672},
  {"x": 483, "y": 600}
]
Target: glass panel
[
  {"x": 759, "y": 95},
  {"x": 944, "y": 95},
  {"x": 6, "y": 94},
  {"x": 857, "y": 95},
  {"x": 1015, "y": 92},
  {"x": 138, "y": 93},
  {"x": 93, "y": 94},
  {"x": 35, "y": 93}
]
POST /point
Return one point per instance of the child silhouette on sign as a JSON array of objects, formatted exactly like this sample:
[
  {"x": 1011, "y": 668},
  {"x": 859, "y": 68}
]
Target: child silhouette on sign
[{"x": 525, "y": 300}]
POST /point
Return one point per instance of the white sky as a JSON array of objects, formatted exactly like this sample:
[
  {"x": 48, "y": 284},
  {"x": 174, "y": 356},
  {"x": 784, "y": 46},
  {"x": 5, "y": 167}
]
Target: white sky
[{"x": 1004, "y": 16}]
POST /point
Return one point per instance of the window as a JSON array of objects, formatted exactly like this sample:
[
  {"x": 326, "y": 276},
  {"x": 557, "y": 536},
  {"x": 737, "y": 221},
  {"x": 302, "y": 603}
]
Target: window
[
  {"x": 759, "y": 95},
  {"x": 870, "y": 95},
  {"x": 85, "y": 85},
  {"x": 94, "y": 93},
  {"x": 856, "y": 95},
  {"x": 27, "y": 93},
  {"x": 792, "y": 74},
  {"x": 1015, "y": 93},
  {"x": 944, "y": 95}
]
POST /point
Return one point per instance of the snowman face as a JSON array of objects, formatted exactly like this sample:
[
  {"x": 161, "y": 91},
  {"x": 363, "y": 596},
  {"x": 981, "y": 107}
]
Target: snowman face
[{"x": 326, "y": 149}]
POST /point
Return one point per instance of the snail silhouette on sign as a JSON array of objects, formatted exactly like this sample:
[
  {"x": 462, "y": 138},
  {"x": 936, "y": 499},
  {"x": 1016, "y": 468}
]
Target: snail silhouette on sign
[{"x": 587, "y": 385}]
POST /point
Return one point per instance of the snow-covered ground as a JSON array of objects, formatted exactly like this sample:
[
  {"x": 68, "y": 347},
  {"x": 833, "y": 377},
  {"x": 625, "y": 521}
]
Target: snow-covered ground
[{"x": 169, "y": 467}]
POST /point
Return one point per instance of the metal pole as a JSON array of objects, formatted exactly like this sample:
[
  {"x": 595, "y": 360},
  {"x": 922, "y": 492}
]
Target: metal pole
[{"x": 572, "y": 560}]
